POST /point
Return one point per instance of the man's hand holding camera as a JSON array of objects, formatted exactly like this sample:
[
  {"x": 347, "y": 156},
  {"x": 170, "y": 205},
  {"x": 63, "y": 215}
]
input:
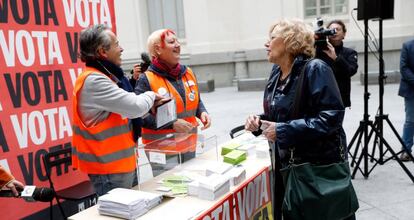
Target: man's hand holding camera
[
  {"x": 330, "y": 51},
  {"x": 136, "y": 71}
]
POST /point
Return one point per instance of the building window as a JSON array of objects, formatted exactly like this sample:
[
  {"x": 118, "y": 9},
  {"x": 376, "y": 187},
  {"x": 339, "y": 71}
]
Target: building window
[
  {"x": 166, "y": 14},
  {"x": 320, "y": 8}
]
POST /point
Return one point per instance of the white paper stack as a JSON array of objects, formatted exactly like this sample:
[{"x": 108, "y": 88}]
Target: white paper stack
[
  {"x": 262, "y": 151},
  {"x": 218, "y": 168},
  {"x": 213, "y": 187},
  {"x": 127, "y": 203},
  {"x": 236, "y": 175},
  {"x": 193, "y": 188},
  {"x": 248, "y": 148}
]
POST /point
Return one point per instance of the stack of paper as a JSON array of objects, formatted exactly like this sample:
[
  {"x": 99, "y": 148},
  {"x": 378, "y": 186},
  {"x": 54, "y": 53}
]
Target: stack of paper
[
  {"x": 228, "y": 147},
  {"x": 192, "y": 187},
  {"x": 235, "y": 157},
  {"x": 213, "y": 187},
  {"x": 127, "y": 203},
  {"x": 236, "y": 175},
  {"x": 248, "y": 148},
  {"x": 262, "y": 150},
  {"x": 218, "y": 168},
  {"x": 177, "y": 183}
]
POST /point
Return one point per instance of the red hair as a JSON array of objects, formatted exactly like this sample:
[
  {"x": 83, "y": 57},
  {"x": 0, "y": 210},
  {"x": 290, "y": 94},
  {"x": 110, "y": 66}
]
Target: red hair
[{"x": 164, "y": 34}]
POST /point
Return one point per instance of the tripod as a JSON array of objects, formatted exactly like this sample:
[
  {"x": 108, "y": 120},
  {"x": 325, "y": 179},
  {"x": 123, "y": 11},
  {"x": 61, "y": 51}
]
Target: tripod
[
  {"x": 377, "y": 126},
  {"x": 380, "y": 117}
]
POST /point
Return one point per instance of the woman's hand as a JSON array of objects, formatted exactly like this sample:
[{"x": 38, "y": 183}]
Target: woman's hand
[
  {"x": 206, "y": 120},
  {"x": 269, "y": 130},
  {"x": 182, "y": 126},
  {"x": 252, "y": 123}
]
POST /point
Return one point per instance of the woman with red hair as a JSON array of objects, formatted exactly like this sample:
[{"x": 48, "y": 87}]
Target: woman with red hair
[{"x": 170, "y": 79}]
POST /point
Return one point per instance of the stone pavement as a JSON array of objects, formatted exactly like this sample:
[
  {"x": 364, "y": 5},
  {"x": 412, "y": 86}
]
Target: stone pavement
[{"x": 387, "y": 194}]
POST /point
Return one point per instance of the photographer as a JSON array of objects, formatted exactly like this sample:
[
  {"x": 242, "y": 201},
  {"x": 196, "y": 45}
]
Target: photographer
[
  {"x": 343, "y": 60},
  {"x": 139, "y": 68}
]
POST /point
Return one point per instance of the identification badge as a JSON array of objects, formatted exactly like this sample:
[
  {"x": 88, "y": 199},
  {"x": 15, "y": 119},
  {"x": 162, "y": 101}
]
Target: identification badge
[
  {"x": 191, "y": 83},
  {"x": 162, "y": 91},
  {"x": 191, "y": 96}
]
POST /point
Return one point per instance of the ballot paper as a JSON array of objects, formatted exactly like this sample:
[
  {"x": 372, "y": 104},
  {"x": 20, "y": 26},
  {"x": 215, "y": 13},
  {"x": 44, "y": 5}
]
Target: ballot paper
[
  {"x": 236, "y": 175},
  {"x": 213, "y": 187},
  {"x": 218, "y": 168},
  {"x": 127, "y": 203},
  {"x": 235, "y": 157},
  {"x": 166, "y": 114},
  {"x": 228, "y": 147}
]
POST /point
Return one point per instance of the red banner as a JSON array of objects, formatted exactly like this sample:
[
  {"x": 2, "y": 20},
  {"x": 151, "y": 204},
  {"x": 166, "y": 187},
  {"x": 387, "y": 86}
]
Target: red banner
[
  {"x": 251, "y": 200},
  {"x": 38, "y": 56}
]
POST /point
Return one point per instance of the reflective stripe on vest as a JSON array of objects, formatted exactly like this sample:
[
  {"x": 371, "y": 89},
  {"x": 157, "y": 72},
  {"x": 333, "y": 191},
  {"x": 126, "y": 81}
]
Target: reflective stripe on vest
[
  {"x": 186, "y": 109},
  {"x": 105, "y": 148},
  {"x": 122, "y": 129},
  {"x": 108, "y": 158}
]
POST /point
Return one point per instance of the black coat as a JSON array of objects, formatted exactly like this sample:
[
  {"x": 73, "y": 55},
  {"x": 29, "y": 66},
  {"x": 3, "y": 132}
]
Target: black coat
[
  {"x": 407, "y": 70},
  {"x": 315, "y": 133},
  {"x": 344, "y": 67}
]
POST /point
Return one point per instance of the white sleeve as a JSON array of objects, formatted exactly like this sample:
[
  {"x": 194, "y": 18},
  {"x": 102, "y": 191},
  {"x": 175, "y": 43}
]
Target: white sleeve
[{"x": 102, "y": 93}]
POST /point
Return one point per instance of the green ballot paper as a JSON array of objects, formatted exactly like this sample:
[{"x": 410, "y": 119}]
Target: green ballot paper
[
  {"x": 227, "y": 148},
  {"x": 235, "y": 157}
]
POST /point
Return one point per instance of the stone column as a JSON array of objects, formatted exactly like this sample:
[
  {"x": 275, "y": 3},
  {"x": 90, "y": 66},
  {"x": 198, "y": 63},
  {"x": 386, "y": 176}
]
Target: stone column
[{"x": 240, "y": 66}]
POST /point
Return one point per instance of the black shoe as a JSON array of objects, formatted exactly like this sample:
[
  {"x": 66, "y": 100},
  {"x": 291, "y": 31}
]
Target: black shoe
[{"x": 405, "y": 157}]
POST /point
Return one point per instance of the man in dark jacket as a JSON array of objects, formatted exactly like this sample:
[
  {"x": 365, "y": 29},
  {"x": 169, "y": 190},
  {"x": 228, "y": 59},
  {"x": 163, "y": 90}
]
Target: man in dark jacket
[
  {"x": 407, "y": 91},
  {"x": 343, "y": 60}
]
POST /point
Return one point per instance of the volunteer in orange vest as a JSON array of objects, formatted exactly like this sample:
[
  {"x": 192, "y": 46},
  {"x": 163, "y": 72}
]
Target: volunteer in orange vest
[
  {"x": 171, "y": 79},
  {"x": 8, "y": 182},
  {"x": 103, "y": 146}
]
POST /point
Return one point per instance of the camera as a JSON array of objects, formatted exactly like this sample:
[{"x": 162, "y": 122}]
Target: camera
[{"x": 321, "y": 35}]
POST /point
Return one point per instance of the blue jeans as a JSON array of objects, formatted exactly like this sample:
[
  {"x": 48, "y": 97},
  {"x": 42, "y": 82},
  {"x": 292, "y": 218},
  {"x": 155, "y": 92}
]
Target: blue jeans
[
  {"x": 104, "y": 183},
  {"x": 408, "y": 130}
]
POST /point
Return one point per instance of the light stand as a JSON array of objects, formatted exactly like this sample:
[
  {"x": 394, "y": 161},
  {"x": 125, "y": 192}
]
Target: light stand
[
  {"x": 377, "y": 127},
  {"x": 380, "y": 116}
]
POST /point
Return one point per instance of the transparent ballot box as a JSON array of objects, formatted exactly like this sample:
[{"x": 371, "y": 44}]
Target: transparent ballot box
[{"x": 165, "y": 154}]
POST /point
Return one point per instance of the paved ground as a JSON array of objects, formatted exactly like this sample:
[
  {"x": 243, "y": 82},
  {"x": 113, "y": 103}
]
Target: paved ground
[{"x": 388, "y": 192}]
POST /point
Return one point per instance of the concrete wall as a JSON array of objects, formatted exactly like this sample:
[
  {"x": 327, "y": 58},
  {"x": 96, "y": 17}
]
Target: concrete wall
[{"x": 225, "y": 38}]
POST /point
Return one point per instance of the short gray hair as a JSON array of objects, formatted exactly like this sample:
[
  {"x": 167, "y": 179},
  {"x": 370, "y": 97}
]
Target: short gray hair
[{"x": 91, "y": 40}]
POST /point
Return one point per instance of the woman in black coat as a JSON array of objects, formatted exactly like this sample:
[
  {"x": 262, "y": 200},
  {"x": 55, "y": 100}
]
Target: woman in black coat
[{"x": 315, "y": 132}]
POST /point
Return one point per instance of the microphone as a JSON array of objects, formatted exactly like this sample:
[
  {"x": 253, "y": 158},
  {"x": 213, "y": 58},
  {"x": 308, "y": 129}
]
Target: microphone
[
  {"x": 146, "y": 61},
  {"x": 32, "y": 194}
]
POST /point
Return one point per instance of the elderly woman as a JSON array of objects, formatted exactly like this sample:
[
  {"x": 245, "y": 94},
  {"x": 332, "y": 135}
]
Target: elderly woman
[
  {"x": 169, "y": 78},
  {"x": 314, "y": 131}
]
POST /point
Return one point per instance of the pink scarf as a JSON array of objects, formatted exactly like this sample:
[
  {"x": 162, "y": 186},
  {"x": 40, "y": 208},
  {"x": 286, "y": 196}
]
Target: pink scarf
[{"x": 161, "y": 65}]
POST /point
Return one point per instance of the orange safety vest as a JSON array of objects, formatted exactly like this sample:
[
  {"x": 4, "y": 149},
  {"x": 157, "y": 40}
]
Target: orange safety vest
[
  {"x": 186, "y": 110},
  {"x": 105, "y": 148}
]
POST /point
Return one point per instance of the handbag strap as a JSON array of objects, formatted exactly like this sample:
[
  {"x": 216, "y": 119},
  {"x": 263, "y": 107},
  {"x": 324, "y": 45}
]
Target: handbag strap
[{"x": 296, "y": 106}]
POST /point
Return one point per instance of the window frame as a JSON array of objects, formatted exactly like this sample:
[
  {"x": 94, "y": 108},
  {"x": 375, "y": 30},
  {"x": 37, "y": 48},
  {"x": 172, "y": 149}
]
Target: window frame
[
  {"x": 332, "y": 5},
  {"x": 158, "y": 11}
]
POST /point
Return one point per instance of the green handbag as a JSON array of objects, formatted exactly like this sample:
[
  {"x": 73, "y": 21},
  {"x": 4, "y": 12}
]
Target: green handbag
[{"x": 316, "y": 192}]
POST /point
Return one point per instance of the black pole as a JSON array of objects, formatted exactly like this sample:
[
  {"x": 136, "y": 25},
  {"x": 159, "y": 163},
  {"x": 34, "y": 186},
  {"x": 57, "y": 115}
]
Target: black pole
[
  {"x": 366, "y": 93},
  {"x": 381, "y": 79}
]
